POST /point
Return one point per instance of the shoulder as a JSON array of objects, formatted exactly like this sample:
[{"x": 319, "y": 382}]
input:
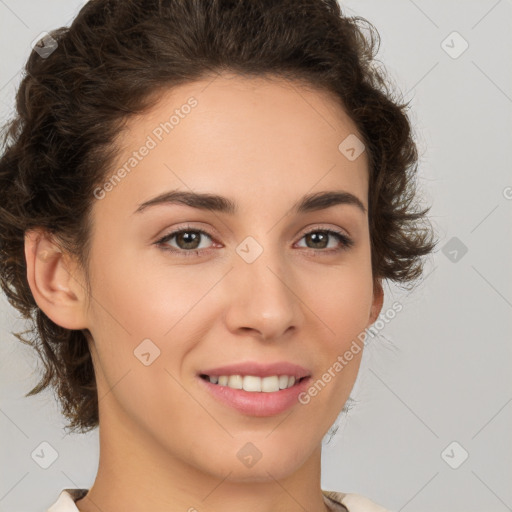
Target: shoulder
[
  {"x": 351, "y": 502},
  {"x": 337, "y": 501},
  {"x": 66, "y": 500}
]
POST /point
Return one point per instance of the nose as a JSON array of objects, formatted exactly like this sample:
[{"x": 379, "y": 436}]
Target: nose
[{"x": 262, "y": 299}]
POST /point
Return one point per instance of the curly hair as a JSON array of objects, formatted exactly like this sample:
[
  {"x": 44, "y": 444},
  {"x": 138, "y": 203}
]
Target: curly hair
[{"x": 111, "y": 63}]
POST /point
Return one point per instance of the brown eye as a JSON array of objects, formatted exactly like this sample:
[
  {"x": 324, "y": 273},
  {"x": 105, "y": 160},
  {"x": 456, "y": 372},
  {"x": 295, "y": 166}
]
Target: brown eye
[
  {"x": 187, "y": 241},
  {"x": 320, "y": 238}
]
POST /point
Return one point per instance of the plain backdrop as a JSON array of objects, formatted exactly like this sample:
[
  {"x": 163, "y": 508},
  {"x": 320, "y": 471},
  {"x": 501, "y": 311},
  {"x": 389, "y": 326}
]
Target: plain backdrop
[{"x": 431, "y": 426}]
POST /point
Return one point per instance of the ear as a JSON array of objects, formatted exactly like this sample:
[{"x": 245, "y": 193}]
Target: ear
[
  {"x": 54, "y": 280},
  {"x": 378, "y": 300}
]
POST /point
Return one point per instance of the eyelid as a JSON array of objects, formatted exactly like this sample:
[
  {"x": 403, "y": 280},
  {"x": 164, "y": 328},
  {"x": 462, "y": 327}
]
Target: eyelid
[
  {"x": 324, "y": 227},
  {"x": 187, "y": 227},
  {"x": 344, "y": 238}
]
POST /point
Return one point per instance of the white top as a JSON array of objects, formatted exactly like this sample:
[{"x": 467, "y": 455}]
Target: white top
[{"x": 335, "y": 501}]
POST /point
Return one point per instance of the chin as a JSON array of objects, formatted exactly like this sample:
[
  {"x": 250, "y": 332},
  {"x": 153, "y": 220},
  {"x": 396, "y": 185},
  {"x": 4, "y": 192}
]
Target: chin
[
  {"x": 249, "y": 464},
  {"x": 260, "y": 472}
]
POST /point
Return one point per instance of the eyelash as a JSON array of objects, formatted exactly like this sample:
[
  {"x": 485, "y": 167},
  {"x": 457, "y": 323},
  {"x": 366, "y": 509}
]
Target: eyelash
[{"x": 346, "y": 242}]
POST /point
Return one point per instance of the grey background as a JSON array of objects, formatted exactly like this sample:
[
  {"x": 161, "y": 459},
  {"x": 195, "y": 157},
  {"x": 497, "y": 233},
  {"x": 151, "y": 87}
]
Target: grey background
[{"x": 440, "y": 370}]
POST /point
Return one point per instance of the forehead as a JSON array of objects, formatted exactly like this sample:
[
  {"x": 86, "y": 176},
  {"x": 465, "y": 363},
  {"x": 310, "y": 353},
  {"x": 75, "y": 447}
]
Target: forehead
[
  {"x": 294, "y": 111},
  {"x": 240, "y": 134}
]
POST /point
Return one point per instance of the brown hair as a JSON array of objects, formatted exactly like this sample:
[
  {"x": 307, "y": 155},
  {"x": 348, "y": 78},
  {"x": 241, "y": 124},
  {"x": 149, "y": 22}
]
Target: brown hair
[{"x": 111, "y": 63}]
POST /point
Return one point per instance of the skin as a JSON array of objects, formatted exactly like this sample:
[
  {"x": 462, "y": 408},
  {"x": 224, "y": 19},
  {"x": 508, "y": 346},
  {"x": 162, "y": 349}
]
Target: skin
[{"x": 165, "y": 443}]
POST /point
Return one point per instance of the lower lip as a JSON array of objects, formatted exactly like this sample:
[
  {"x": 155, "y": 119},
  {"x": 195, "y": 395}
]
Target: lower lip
[{"x": 257, "y": 403}]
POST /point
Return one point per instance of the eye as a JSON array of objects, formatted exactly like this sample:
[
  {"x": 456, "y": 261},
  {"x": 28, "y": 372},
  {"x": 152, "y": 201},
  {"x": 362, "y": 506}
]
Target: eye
[
  {"x": 188, "y": 241},
  {"x": 321, "y": 237}
]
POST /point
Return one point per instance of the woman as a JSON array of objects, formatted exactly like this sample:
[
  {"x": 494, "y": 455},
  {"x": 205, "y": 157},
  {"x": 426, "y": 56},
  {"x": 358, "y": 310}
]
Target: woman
[{"x": 200, "y": 202}]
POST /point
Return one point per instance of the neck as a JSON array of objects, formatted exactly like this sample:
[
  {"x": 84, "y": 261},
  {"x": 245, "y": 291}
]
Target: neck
[{"x": 137, "y": 473}]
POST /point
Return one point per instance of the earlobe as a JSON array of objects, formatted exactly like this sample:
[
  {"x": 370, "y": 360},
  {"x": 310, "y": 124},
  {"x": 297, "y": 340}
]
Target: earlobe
[
  {"x": 53, "y": 281},
  {"x": 378, "y": 301}
]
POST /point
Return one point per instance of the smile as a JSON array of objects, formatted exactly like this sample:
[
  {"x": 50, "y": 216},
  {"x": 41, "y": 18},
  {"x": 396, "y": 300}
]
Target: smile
[{"x": 253, "y": 383}]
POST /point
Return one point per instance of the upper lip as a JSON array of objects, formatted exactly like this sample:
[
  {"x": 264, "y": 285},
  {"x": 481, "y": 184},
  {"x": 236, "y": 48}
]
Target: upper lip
[{"x": 259, "y": 369}]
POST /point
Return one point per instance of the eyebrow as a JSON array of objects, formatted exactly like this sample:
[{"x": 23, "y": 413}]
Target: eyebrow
[{"x": 204, "y": 201}]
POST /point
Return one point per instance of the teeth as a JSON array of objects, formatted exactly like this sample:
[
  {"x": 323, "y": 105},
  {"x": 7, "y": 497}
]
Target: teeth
[
  {"x": 235, "y": 382},
  {"x": 253, "y": 383},
  {"x": 283, "y": 381},
  {"x": 270, "y": 384}
]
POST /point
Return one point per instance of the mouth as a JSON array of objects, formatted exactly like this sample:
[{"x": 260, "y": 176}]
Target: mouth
[
  {"x": 256, "y": 388},
  {"x": 268, "y": 393},
  {"x": 254, "y": 383}
]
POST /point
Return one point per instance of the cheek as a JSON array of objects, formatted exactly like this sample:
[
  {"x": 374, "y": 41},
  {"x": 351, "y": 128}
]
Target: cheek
[
  {"x": 148, "y": 297},
  {"x": 343, "y": 307},
  {"x": 157, "y": 310},
  {"x": 351, "y": 309},
  {"x": 342, "y": 298}
]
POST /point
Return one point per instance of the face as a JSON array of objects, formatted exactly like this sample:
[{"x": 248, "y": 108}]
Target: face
[{"x": 178, "y": 290}]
